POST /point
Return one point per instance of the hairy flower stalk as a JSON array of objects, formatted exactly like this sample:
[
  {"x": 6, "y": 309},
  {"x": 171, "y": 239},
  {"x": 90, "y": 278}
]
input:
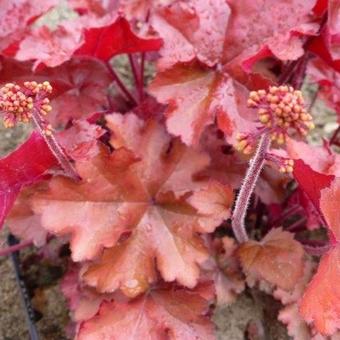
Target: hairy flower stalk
[
  {"x": 281, "y": 112},
  {"x": 30, "y": 102},
  {"x": 247, "y": 188}
]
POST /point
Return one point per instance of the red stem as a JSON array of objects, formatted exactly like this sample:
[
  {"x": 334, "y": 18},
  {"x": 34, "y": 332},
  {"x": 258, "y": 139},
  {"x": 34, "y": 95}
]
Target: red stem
[
  {"x": 120, "y": 84},
  {"x": 54, "y": 146},
  {"x": 313, "y": 100},
  {"x": 298, "y": 225},
  {"x": 247, "y": 188},
  {"x": 316, "y": 251},
  {"x": 9, "y": 250},
  {"x": 334, "y": 137},
  {"x": 136, "y": 76},
  {"x": 287, "y": 213},
  {"x": 142, "y": 67}
]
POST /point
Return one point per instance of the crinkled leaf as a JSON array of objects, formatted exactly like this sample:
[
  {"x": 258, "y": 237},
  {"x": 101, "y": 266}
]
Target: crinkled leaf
[
  {"x": 16, "y": 15},
  {"x": 328, "y": 80},
  {"x": 49, "y": 46},
  {"x": 321, "y": 302},
  {"x": 138, "y": 9},
  {"x": 258, "y": 25},
  {"x": 23, "y": 222},
  {"x": 136, "y": 202},
  {"x": 83, "y": 302},
  {"x": 277, "y": 259},
  {"x": 196, "y": 97},
  {"x": 81, "y": 88},
  {"x": 296, "y": 326},
  {"x": 228, "y": 277},
  {"x": 81, "y": 140},
  {"x": 117, "y": 38},
  {"x": 23, "y": 167},
  {"x": 191, "y": 29},
  {"x": 334, "y": 28},
  {"x": 54, "y": 45},
  {"x": 329, "y": 205},
  {"x": 178, "y": 314}
]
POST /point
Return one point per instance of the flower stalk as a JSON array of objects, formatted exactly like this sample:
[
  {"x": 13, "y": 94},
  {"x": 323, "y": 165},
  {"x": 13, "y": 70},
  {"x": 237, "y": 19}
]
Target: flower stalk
[
  {"x": 12, "y": 249},
  {"x": 247, "y": 188},
  {"x": 46, "y": 132}
]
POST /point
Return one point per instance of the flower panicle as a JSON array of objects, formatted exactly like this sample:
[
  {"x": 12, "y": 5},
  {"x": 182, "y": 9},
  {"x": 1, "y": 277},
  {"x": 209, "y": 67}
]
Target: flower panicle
[
  {"x": 17, "y": 103},
  {"x": 281, "y": 112}
]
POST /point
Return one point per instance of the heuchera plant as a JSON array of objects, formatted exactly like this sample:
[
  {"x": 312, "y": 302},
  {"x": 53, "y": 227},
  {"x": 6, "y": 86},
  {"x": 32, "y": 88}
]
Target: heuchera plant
[{"x": 176, "y": 194}]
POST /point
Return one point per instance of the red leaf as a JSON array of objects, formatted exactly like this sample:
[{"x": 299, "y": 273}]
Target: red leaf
[
  {"x": 329, "y": 82},
  {"x": 321, "y": 302},
  {"x": 334, "y": 28},
  {"x": 80, "y": 87},
  {"x": 23, "y": 167},
  {"x": 311, "y": 182},
  {"x": 117, "y": 38},
  {"x": 319, "y": 47},
  {"x": 277, "y": 259},
  {"x": 161, "y": 314}
]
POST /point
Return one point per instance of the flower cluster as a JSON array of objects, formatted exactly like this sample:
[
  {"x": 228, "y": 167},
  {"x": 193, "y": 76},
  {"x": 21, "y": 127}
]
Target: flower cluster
[
  {"x": 245, "y": 143},
  {"x": 18, "y": 103},
  {"x": 281, "y": 111}
]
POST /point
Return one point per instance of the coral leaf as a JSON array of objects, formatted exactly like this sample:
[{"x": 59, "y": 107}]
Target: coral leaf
[
  {"x": 142, "y": 202},
  {"x": 196, "y": 97},
  {"x": 329, "y": 205},
  {"x": 277, "y": 259},
  {"x": 321, "y": 301},
  {"x": 161, "y": 314}
]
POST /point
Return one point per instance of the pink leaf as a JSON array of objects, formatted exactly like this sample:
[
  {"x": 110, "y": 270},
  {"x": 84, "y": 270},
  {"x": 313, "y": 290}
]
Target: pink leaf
[
  {"x": 190, "y": 29},
  {"x": 178, "y": 314},
  {"x": 80, "y": 141},
  {"x": 16, "y": 15},
  {"x": 257, "y": 25}
]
